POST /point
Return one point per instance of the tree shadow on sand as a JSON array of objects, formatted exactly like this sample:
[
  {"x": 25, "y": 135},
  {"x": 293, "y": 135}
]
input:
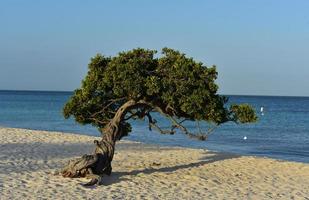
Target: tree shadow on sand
[
  {"x": 34, "y": 156},
  {"x": 25, "y": 157},
  {"x": 117, "y": 177}
]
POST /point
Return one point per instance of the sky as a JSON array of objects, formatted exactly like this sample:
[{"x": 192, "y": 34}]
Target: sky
[{"x": 260, "y": 47}]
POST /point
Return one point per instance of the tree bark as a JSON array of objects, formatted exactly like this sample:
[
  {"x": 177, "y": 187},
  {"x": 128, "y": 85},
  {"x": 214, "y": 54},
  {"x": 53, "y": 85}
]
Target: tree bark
[{"x": 94, "y": 166}]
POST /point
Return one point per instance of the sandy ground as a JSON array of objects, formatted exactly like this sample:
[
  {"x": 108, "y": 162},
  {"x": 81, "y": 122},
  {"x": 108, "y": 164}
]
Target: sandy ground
[{"x": 29, "y": 158}]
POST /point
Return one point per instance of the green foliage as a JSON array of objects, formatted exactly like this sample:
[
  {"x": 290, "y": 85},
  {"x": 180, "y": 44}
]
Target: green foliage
[
  {"x": 243, "y": 113},
  {"x": 176, "y": 84}
]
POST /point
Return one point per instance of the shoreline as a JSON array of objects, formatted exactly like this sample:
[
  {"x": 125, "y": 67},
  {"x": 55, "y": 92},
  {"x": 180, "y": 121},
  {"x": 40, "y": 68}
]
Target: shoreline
[
  {"x": 162, "y": 145},
  {"x": 28, "y": 159}
]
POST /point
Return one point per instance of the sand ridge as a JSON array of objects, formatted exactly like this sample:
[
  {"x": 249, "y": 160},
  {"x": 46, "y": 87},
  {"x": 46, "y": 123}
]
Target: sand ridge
[{"x": 29, "y": 158}]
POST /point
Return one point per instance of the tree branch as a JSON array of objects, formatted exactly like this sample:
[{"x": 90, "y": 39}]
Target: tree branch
[
  {"x": 152, "y": 124},
  {"x": 139, "y": 113},
  {"x": 112, "y": 101},
  {"x": 178, "y": 125},
  {"x": 175, "y": 123},
  {"x": 101, "y": 122}
]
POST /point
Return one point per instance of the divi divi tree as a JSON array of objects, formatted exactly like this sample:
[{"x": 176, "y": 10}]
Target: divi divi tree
[{"x": 135, "y": 84}]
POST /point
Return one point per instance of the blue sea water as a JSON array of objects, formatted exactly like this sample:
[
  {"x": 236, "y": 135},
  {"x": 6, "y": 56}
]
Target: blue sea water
[{"x": 282, "y": 132}]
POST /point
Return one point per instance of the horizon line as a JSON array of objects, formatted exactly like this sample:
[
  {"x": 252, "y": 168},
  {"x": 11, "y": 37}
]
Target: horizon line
[{"x": 67, "y": 91}]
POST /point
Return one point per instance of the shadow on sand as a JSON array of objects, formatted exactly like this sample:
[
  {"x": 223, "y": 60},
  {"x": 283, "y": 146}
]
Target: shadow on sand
[
  {"x": 25, "y": 157},
  {"x": 210, "y": 157}
]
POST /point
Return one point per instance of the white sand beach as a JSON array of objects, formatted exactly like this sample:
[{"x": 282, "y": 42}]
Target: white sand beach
[{"x": 29, "y": 158}]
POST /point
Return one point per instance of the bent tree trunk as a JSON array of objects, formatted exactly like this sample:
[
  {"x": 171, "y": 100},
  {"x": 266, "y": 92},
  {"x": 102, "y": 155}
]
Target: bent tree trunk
[{"x": 95, "y": 165}]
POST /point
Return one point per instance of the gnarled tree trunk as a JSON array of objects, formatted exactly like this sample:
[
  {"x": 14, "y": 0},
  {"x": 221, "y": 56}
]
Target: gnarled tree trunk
[{"x": 95, "y": 165}]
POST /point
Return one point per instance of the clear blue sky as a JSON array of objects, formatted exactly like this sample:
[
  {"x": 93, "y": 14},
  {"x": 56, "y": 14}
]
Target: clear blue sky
[{"x": 259, "y": 46}]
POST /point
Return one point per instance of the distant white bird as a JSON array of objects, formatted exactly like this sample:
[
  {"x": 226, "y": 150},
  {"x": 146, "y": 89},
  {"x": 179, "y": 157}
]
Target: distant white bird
[{"x": 245, "y": 137}]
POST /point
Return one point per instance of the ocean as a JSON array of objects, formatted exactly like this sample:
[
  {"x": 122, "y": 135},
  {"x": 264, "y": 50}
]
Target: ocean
[{"x": 281, "y": 133}]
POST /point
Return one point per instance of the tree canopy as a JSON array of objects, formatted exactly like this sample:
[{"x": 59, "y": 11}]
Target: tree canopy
[{"x": 172, "y": 84}]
